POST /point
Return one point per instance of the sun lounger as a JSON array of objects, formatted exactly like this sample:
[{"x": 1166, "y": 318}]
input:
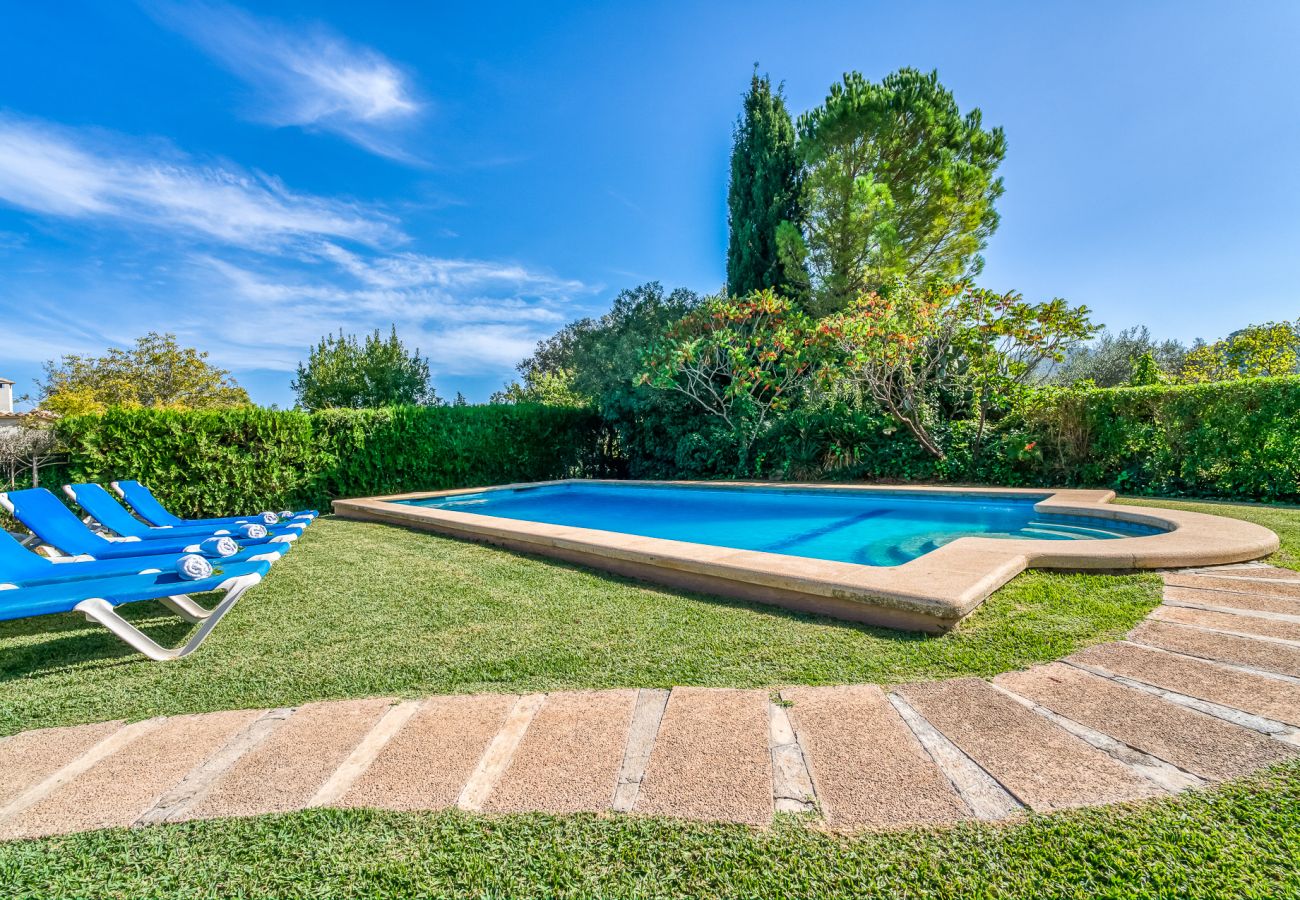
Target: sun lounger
[{"x": 33, "y": 586}]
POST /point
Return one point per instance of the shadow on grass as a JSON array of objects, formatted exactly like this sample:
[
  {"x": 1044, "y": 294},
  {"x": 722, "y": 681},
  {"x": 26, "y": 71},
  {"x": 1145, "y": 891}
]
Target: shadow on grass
[
  {"x": 766, "y": 609},
  {"x": 56, "y": 643}
]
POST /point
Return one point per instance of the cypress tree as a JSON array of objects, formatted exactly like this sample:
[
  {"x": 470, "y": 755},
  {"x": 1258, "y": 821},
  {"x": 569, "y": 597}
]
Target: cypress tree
[{"x": 764, "y": 190}]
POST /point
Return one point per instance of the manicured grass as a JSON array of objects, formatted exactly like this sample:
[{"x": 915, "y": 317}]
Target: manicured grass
[
  {"x": 359, "y": 610},
  {"x": 1284, "y": 520},
  {"x": 363, "y": 609},
  {"x": 1241, "y": 840}
]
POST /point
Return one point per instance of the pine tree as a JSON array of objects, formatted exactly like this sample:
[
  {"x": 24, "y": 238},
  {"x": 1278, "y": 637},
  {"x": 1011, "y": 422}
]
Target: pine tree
[
  {"x": 897, "y": 182},
  {"x": 764, "y": 190}
]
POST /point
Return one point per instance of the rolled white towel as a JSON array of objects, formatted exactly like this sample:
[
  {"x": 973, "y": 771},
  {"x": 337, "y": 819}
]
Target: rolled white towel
[
  {"x": 253, "y": 531},
  {"x": 269, "y": 518},
  {"x": 285, "y": 514},
  {"x": 193, "y": 567},
  {"x": 217, "y": 547}
]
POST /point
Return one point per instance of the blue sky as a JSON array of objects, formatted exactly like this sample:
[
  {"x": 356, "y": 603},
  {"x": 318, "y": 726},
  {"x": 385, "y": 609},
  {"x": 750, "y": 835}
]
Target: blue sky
[{"x": 251, "y": 177}]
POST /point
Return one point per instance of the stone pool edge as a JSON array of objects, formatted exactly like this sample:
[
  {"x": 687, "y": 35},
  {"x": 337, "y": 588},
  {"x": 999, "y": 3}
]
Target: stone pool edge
[{"x": 931, "y": 593}]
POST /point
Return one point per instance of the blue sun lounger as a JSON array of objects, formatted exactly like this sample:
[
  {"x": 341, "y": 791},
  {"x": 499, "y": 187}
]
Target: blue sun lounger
[
  {"x": 147, "y": 507},
  {"x": 34, "y": 568},
  {"x": 101, "y": 506},
  {"x": 33, "y": 586},
  {"x": 56, "y": 525}
]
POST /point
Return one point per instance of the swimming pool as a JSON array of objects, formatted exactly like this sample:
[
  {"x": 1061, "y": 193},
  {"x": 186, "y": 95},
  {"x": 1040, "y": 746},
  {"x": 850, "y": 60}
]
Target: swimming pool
[
  {"x": 913, "y": 557},
  {"x": 852, "y": 526}
]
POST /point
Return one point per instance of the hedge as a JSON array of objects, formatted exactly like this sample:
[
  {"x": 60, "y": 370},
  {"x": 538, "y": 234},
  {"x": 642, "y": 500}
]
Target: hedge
[
  {"x": 224, "y": 462},
  {"x": 1234, "y": 439},
  {"x": 1237, "y": 440}
]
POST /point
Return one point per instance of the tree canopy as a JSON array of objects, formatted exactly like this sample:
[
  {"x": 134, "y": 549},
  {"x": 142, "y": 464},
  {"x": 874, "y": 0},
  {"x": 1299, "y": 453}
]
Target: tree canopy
[
  {"x": 739, "y": 359},
  {"x": 594, "y": 361},
  {"x": 156, "y": 372},
  {"x": 1111, "y": 359},
  {"x": 1255, "y": 351},
  {"x": 1133, "y": 357},
  {"x": 896, "y": 183},
  {"x": 343, "y": 372},
  {"x": 763, "y": 191},
  {"x": 910, "y": 345},
  {"x": 852, "y": 311}
]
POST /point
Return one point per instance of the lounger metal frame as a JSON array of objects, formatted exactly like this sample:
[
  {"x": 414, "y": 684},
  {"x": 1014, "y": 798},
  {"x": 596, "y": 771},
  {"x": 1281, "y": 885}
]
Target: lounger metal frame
[{"x": 100, "y": 611}]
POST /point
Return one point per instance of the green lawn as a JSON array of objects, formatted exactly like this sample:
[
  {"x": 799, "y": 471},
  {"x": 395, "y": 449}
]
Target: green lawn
[
  {"x": 362, "y": 609},
  {"x": 1283, "y": 519},
  {"x": 1239, "y": 841}
]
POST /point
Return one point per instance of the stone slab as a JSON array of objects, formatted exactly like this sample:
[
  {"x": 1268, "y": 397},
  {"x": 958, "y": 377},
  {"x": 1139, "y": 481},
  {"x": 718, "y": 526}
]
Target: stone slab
[
  {"x": 867, "y": 767},
  {"x": 124, "y": 785},
  {"x": 1230, "y": 600},
  {"x": 286, "y": 770},
  {"x": 646, "y": 716},
  {"x": 364, "y": 753},
  {"x": 569, "y": 759},
  {"x": 174, "y": 805},
  {"x": 29, "y": 758},
  {"x": 1281, "y": 590},
  {"x": 1257, "y": 694},
  {"x": 1203, "y": 745},
  {"x": 1241, "y": 651},
  {"x": 1248, "y": 572},
  {"x": 426, "y": 764},
  {"x": 1043, "y": 766},
  {"x": 711, "y": 758},
  {"x": 792, "y": 786},
  {"x": 1232, "y": 622}
]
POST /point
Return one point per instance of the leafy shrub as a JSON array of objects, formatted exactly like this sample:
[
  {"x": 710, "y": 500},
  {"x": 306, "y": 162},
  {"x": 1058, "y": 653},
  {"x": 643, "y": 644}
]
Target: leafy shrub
[
  {"x": 224, "y": 462},
  {"x": 1237, "y": 439},
  {"x": 1229, "y": 439}
]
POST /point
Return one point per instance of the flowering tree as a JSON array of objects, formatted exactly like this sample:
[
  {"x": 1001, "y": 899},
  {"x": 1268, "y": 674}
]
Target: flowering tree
[
  {"x": 1004, "y": 341},
  {"x": 896, "y": 344},
  {"x": 907, "y": 344},
  {"x": 740, "y": 359}
]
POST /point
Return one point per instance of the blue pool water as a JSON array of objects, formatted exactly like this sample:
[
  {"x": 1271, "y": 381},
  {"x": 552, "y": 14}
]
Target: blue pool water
[{"x": 869, "y": 528}]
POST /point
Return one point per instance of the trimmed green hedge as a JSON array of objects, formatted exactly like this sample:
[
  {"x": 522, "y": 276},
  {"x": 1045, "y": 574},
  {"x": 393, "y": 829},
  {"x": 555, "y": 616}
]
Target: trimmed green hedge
[
  {"x": 224, "y": 462},
  {"x": 1238, "y": 439},
  {"x": 1233, "y": 440}
]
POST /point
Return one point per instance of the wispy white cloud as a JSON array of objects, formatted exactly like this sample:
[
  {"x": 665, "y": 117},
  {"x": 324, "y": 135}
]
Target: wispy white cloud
[
  {"x": 305, "y": 76},
  {"x": 80, "y": 174},
  {"x": 241, "y": 265},
  {"x": 251, "y": 311},
  {"x": 413, "y": 270},
  {"x": 470, "y": 316}
]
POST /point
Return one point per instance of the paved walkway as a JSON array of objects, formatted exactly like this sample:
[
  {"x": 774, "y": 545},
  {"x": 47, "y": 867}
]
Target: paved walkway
[{"x": 1206, "y": 688}]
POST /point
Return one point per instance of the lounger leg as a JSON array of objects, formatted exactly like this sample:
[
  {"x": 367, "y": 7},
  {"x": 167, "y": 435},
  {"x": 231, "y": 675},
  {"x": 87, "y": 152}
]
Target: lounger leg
[
  {"x": 102, "y": 612},
  {"x": 187, "y": 609}
]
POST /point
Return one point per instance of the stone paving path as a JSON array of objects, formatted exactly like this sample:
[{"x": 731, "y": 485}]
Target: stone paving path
[{"x": 1206, "y": 689}]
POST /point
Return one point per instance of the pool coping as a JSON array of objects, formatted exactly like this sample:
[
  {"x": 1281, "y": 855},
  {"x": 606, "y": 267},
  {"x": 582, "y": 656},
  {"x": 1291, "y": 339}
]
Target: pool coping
[{"x": 931, "y": 593}]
